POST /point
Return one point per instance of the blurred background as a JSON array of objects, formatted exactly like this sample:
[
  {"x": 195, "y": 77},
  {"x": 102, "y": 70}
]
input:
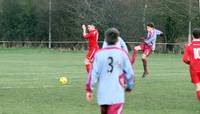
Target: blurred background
[{"x": 57, "y": 23}]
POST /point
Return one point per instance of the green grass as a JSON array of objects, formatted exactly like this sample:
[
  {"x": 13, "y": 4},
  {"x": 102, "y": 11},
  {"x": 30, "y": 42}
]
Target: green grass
[{"x": 29, "y": 84}]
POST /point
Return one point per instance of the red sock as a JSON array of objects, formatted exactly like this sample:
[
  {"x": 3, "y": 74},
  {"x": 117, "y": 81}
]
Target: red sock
[
  {"x": 135, "y": 53},
  {"x": 198, "y": 95},
  {"x": 88, "y": 68}
]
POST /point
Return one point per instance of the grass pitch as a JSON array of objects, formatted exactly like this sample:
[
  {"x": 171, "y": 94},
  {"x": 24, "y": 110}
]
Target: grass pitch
[{"x": 29, "y": 84}]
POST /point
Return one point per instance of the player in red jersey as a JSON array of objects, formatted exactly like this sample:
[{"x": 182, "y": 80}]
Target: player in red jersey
[
  {"x": 192, "y": 58},
  {"x": 92, "y": 38}
]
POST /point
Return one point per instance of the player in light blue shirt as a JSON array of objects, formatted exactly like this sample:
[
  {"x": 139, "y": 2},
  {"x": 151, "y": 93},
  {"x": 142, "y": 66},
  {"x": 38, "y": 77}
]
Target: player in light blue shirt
[
  {"x": 147, "y": 46},
  {"x": 152, "y": 37},
  {"x": 113, "y": 73},
  {"x": 120, "y": 43}
]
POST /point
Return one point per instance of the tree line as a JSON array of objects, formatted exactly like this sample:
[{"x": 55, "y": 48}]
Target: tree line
[{"x": 28, "y": 20}]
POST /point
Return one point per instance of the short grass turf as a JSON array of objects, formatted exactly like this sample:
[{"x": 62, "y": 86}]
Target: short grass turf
[{"x": 29, "y": 84}]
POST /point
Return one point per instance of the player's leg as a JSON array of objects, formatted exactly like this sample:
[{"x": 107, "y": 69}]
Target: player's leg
[
  {"x": 195, "y": 78},
  {"x": 144, "y": 61},
  {"x": 146, "y": 52},
  {"x": 196, "y": 81},
  {"x": 198, "y": 90},
  {"x": 87, "y": 64},
  {"x": 104, "y": 109},
  {"x": 115, "y": 109},
  {"x": 89, "y": 58},
  {"x": 135, "y": 53}
]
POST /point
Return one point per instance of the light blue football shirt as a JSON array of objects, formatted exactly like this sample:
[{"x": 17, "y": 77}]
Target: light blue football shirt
[
  {"x": 151, "y": 38},
  {"x": 109, "y": 66}
]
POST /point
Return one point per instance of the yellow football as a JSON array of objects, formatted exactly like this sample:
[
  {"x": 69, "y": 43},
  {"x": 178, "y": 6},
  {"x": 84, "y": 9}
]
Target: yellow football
[{"x": 63, "y": 80}]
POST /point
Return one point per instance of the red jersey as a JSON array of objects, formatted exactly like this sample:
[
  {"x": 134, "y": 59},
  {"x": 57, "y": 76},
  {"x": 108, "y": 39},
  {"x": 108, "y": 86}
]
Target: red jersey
[
  {"x": 192, "y": 55},
  {"x": 92, "y": 36}
]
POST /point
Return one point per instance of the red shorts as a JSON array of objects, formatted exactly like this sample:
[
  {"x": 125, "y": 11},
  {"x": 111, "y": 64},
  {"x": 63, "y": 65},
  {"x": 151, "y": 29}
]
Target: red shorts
[
  {"x": 195, "y": 77},
  {"x": 146, "y": 49},
  {"x": 91, "y": 52},
  {"x": 112, "y": 109}
]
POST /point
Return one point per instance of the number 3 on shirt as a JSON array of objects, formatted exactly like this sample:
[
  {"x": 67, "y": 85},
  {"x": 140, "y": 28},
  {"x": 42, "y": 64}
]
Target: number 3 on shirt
[{"x": 110, "y": 64}]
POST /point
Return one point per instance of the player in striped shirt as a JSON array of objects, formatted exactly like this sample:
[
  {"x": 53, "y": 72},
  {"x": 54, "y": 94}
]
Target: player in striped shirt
[
  {"x": 147, "y": 46},
  {"x": 192, "y": 58},
  {"x": 113, "y": 72}
]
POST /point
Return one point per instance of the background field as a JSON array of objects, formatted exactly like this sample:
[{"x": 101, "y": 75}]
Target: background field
[{"x": 29, "y": 84}]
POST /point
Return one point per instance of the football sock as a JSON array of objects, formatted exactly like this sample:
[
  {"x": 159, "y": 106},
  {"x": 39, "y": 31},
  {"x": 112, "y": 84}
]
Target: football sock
[
  {"x": 144, "y": 64},
  {"x": 87, "y": 68},
  {"x": 198, "y": 95},
  {"x": 135, "y": 53}
]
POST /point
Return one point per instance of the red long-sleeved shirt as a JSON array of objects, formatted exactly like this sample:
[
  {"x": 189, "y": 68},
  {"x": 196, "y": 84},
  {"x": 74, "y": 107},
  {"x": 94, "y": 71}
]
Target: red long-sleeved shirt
[
  {"x": 192, "y": 55},
  {"x": 92, "y": 36}
]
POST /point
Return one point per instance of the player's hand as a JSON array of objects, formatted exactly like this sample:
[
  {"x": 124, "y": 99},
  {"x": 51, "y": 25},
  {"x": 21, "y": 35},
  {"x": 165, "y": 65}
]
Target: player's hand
[
  {"x": 89, "y": 96},
  {"x": 128, "y": 90},
  {"x": 83, "y": 27},
  {"x": 130, "y": 85}
]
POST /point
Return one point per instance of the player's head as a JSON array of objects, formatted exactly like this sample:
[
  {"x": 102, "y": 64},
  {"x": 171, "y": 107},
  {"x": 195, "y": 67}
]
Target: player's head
[
  {"x": 111, "y": 36},
  {"x": 150, "y": 26},
  {"x": 196, "y": 33},
  {"x": 90, "y": 26}
]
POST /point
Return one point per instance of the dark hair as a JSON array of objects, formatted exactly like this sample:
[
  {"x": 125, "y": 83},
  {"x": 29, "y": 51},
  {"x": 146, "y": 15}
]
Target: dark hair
[
  {"x": 111, "y": 36},
  {"x": 150, "y": 24},
  {"x": 196, "y": 32},
  {"x": 89, "y": 23}
]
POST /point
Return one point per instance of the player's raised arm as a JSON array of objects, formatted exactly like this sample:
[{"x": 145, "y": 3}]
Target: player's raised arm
[
  {"x": 85, "y": 34},
  {"x": 84, "y": 30},
  {"x": 158, "y": 32},
  {"x": 92, "y": 31}
]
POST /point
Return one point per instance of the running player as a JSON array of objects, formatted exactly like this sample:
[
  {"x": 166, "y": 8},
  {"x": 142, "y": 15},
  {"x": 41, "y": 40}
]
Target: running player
[{"x": 192, "y": 58}]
